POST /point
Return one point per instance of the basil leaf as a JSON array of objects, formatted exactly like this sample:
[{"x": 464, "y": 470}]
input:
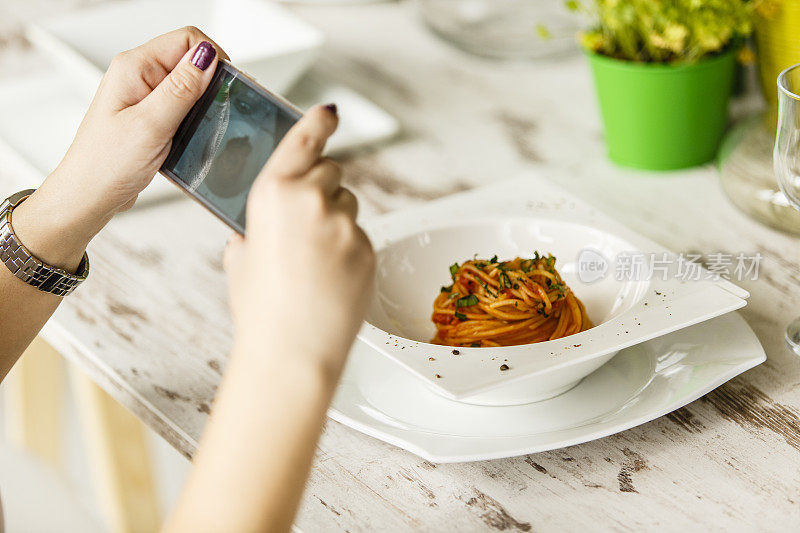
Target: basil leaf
[
  {"x": 461, "y": 316},
  {"x": 467, "y": 301},
  {"x": 493, "y": 259},
  {"x": 453, "y": 270},
  {"x": 447, "y": 289}
]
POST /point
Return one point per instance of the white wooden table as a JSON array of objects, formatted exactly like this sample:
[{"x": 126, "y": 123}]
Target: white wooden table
[{"x": 151, "y": 324}]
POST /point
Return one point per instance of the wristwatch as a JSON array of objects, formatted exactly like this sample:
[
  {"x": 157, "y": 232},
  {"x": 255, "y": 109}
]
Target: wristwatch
[{"x": 24, "y": 265}]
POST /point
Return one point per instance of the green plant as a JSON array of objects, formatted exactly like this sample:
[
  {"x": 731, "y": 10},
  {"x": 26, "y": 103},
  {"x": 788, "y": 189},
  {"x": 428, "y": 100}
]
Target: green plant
[{"x": 665, "y": 31}]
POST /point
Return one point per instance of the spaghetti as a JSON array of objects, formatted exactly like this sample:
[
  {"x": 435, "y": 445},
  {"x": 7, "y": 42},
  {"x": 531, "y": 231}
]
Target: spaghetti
[{"x": 506, "y": 303}]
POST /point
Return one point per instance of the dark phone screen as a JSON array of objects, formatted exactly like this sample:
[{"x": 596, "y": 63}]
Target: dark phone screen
[{"x": 225, "y": 141}]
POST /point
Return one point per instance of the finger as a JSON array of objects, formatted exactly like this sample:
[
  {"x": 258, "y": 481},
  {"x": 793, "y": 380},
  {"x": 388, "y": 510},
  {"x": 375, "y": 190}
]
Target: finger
[
  {"x": 172, "y": 99},
  {"x": 346, "y": 202},
  {"x": 303, "y": 144},
  {"x": 134, "y": 74},
  {"x": 327, "y": 175},
  {"x": 168, "y": 49},
  {"x": 234, "y": 253}
]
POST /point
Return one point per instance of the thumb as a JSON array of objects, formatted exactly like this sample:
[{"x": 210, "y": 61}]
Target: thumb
[{"x": 167, "y": 105}]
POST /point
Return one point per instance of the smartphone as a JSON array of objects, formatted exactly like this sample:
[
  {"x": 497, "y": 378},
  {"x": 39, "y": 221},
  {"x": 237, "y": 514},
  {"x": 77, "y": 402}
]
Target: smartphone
[{"x": 225, "y": 140}]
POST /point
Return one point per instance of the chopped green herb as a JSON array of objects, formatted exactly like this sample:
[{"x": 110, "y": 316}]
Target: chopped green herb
[
  {"x": 467, "y": 301},
  {"x": 447, "y": 289},
  {"x": 461, "y": 316},
  {"x": 486, "y": 288},
  {"x": 536, "y": 256},
  {"x": 454, "y": 295},
  {"x": 505, "y": 281},
  {"x": 559, "y": 287},
  {"x": 476, "y": 345},
  {"x": 493, "y": 259},
  {"x": 453, "y": 270}
]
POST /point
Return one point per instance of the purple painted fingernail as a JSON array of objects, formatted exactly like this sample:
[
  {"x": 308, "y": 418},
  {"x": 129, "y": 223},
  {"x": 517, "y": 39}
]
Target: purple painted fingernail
[
  {"x": 331, "y": 108},
  {"x": 203, "y": 55}
]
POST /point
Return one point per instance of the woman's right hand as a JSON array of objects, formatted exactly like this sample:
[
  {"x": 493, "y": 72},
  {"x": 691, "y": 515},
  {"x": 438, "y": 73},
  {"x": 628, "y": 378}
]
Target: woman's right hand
[{"x": 300, "y": 280}]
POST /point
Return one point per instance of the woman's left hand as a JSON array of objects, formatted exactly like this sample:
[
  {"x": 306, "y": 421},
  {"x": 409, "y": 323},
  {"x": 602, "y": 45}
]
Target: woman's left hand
[{"x": 121, "y": 143}]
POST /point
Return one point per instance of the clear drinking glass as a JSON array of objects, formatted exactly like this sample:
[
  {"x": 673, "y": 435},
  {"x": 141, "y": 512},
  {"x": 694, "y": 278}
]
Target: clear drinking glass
[{"x": 786, "y": 158}]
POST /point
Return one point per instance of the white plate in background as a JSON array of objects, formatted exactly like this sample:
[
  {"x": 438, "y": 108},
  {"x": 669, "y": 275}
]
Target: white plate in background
[
  {"x": 264, "y": 39},
  {"x": 379, "y": 398},
  {"x": 40, "y": 115}
]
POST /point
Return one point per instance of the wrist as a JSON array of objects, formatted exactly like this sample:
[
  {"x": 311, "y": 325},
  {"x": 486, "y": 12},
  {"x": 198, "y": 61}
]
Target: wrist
[
  {"x": 55, "y": 224},
  {"x": 262, "y": 360}
]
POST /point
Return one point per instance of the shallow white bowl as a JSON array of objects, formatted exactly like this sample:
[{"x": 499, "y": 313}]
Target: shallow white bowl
[
  {"x": 263, "y": 39},
  {"x": 415, "y": 248}
]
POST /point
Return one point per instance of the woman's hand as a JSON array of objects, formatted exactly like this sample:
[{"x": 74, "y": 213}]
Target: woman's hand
[
  {"x": 121, "y": 143},
  {"x": 300, "y": 280},
  {"x": 299, "y": 284}
]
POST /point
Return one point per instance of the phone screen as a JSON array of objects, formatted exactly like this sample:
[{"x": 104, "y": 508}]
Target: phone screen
[{"x": 224, "y": 142}]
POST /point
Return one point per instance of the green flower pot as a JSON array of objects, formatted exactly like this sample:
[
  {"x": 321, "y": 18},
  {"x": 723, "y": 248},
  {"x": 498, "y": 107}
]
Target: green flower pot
[{"x": 663, "y": 117}]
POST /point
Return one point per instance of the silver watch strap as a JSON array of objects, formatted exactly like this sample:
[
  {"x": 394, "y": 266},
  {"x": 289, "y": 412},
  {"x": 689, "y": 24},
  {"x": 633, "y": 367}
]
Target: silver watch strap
[{"x": 24, "y": 265}]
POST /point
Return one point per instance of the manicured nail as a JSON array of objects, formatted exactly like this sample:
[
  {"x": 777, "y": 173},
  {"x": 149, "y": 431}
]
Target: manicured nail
[
  {"x": 331, "y": 108},
  {"x": 203, "y": 55}
]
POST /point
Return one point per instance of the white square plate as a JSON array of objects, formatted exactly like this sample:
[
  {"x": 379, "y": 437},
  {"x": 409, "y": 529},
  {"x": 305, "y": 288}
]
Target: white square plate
[
  {"x": 41, "y": 114},
  {"x": 640, "y": 384},
  {"x": 416, "y": 246},
  {"x": 264, "y": 39}
]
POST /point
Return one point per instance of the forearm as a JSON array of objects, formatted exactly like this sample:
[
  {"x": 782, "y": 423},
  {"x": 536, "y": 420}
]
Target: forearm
[
  {"x": 258, "y": 446},
  {"x": 55, "y": 227}
]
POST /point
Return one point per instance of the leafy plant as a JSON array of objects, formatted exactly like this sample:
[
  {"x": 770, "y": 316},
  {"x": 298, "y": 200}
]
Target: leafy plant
[{"x": 665, "y": 31}]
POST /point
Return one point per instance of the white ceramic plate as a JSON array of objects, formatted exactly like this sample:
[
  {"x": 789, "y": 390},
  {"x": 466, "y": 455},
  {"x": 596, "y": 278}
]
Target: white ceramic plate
[
  {"x": 40, "y": 115},
  {"x": 641, "y": 383},
  {"x": 267, "y": 41},
  {"x": 416, "y": 246}
]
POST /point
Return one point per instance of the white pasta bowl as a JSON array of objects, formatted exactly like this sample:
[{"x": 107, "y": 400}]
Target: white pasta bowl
[{"x": 415, "y": 248}]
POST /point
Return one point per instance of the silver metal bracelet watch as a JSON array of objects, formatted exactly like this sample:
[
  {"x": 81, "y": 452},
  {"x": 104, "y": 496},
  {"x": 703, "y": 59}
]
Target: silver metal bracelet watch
[{"x": 24, "y": 265}]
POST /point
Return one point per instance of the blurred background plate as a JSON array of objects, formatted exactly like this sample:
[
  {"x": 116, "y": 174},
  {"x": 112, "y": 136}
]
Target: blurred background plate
[
  {"x": 267, "y": 41},
  {"x": 41, "y": 113}
]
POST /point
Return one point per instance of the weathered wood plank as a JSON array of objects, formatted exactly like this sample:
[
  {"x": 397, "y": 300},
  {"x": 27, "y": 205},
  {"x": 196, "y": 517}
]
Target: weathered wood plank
[{"x": 156, "y": 335}]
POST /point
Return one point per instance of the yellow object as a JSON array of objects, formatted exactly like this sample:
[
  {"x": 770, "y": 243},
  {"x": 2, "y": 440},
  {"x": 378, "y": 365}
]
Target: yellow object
[{"x": 778, "y": 40}]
